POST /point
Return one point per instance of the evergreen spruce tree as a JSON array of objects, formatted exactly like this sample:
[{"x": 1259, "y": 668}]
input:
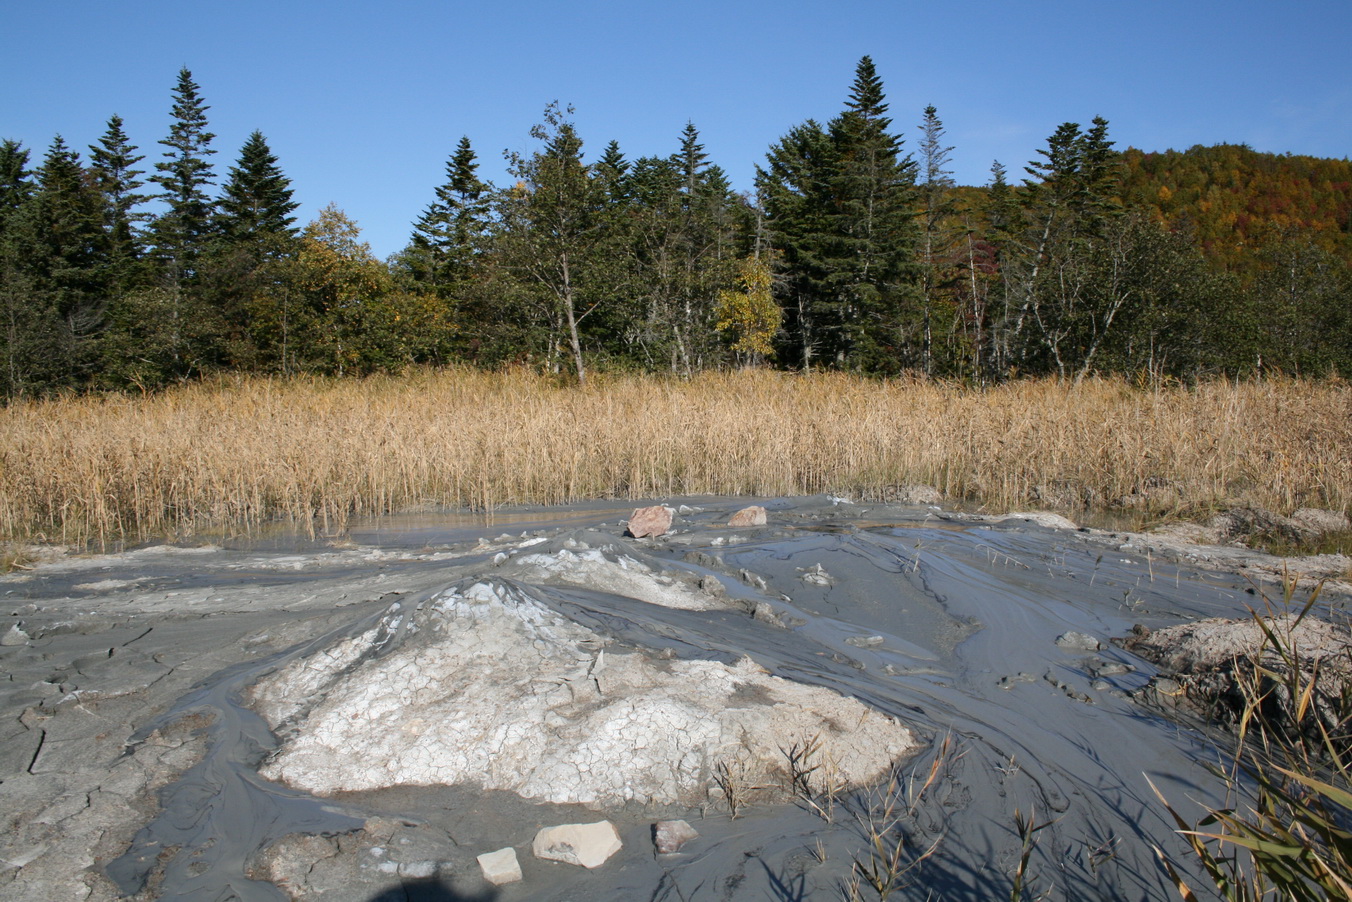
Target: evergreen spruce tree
[
  {"x": 67, "y": 258},
  {"x": 692, "y": 160},
  {"x": 18, "y": 323},
  {"x": 450, "y": 234},
  {"x": 612, "y": 170},
  {"x": 184, "y": 336},
  {"x": 1066, "y": 308},
  {"x": 112, "y": 163},
  {"x": 15, "y": 182},
  {"x": 184, "y": 175},
  {"x": 708, "y": 240},
  {"x": 840, "y": 203},
  {"x": 244, "y": 267},
  {"x": 798, "y": 209},
  {"x": 873, "y": 265},
  {"x": 1003, "y": 217},
  {"x": 256, "y": 199}
]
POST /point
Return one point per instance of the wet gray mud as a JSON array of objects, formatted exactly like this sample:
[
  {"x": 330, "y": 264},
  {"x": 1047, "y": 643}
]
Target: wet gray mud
[{"x": 130, "y": 759}]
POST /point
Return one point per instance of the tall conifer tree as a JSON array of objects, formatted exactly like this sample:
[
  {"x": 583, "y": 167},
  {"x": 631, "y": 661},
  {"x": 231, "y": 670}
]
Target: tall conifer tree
[
  {"x": 186, "y": 332},
  {"x": 256, "y": 199},
  {"x": 450, "y": 234},
  {"x": 112, "y": 163},
  {"x": 19, "y": 322},
  {"x": 15, "y": 181},
  {"x": 840, "y": 203},
  {"x": 184, "y": 175},
  {"x": 68, "y": 257}
]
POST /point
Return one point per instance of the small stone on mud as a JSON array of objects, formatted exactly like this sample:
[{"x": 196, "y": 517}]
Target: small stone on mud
[
  {"x": 669, "y": 836},
  {"x": 500, "y": 867},
  {"x": 1166, "y": 687},
  {"x": 753, "y": 580},
  {"x": 1077, "y": 642},
  {"x": 865, "y": 641},
  {"x": 817, "y": 576},
  {"x": 588, "y": 845},
  {"x": 748, "y": 516},
  {"x": 712, "y": 585},
  {"x": 14, "y": 636},
  {"x": 418, "y": 870},
  {"x": 650, "y": 521},
  {"x": 765, "y": 613}
]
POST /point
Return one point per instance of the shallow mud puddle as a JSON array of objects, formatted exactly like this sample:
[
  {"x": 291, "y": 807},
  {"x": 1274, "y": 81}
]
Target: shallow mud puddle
[{"x": 128, "y": 702}]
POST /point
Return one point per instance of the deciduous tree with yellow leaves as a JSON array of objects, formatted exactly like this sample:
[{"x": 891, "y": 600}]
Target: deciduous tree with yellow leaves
[{"x": 748, "y": 316}]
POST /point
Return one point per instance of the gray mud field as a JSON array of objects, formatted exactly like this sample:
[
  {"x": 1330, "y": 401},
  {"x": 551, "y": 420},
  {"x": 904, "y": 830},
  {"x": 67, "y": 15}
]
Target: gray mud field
[{"x": 360, "y": 718}]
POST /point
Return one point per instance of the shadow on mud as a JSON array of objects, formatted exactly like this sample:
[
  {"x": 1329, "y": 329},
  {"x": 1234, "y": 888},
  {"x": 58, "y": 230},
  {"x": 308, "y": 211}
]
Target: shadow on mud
[{"x": 430, "y": 890}]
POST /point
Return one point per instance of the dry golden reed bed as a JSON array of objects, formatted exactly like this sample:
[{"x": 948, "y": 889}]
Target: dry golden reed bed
[{"x": 238, "y": 452}]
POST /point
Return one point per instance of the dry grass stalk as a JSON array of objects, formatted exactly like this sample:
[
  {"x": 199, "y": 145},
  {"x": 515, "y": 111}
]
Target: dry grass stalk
[
  {"x": 1292, "y": 768},
  {"x": 238, "y": 452}
]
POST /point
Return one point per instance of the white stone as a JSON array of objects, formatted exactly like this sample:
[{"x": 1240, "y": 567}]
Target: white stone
[
  {"x": 500, "y": 867},
  {"x": 14, "y": 636},
  {"x": 588, "y": 845}
]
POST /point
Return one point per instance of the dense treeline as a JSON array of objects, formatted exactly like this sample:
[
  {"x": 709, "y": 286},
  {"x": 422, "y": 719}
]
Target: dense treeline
[{"x": 852, "y": 253}]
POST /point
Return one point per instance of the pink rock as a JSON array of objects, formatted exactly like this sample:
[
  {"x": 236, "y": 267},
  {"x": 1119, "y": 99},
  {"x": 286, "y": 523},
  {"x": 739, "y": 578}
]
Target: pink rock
[
  {"x": 749, "y": 516},
  {"x": 669, "y": 836},
  {"x": 650, "y": 521}
]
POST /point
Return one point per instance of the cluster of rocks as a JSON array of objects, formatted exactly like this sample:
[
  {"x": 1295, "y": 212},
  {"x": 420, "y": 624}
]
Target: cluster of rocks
[
  {"x": 584, "y": 845},
  {"x": 654, "y": 521}
]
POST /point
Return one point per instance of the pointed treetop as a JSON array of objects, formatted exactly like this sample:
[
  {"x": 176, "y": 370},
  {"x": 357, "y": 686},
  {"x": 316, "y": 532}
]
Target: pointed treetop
[
  {"x": 462, "y": 169},
  {"x": 613, "y": 159},
  {"x": 257, "y": 197},
  {"x": 184, "y": 173},
  {"x": 15, "y": 184},
  {"x": 60, "y": 167},
  {"x": 1062, "y": 155},
  {"x": 692, "y": 156},
  {"x": 115, "y": 152},
  {"x": 190, "y": 115},
  {"x": 613, "y": 171},
  {"x": 866, "y": 96},
  {"x": 113, "y": 158},
  {"x": 933, "y": 153}
]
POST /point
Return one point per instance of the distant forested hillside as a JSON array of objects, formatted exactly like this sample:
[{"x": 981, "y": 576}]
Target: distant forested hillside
[
  {"x": 1233, "y": 200},
  {"x": 122, "y": 268}
]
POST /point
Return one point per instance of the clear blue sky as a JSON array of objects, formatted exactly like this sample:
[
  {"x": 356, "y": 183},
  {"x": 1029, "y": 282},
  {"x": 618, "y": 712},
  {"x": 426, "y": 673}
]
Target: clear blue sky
[{"x": 364, "y": 102}]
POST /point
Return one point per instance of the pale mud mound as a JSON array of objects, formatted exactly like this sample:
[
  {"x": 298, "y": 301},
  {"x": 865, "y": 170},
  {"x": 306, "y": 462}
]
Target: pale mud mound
[
  {"x": 1221, "y": 666},
  {"x": 606, "y": 568},
  {"x": 486, "y": 686},
  {"x": 1210, "y": 644}
]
